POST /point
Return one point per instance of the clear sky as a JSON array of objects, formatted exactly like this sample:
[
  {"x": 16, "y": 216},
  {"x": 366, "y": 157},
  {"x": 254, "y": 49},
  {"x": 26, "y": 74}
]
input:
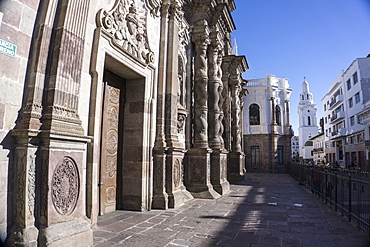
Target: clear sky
[{"x": 294, "y": 39}]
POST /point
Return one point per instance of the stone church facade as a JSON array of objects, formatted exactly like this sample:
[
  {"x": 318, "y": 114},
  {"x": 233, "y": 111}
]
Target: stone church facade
[{"x": 110, "y": 105}]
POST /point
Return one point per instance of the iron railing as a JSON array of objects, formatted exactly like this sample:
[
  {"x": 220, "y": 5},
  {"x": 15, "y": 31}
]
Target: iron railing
[{"x": 347, "y": 191}]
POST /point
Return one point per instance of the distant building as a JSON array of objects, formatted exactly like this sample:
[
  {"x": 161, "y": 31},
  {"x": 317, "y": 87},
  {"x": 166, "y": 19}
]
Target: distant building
[
  {"x": 365, "y": 115},
  {"x": 307, "y": 122},
  {"x": 344, "y": 111},
  {"x": 266, "y": 127},
  {"x": 318, "y": 151},
  {"x": 295, "y": 148}
]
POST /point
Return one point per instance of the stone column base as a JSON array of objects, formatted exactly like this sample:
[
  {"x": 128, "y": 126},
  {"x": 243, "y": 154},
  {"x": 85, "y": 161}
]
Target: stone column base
[
  {"x": 77, "y": 233},
  {"x": 178, "y": 198},
  {"x": 23, "y": 237},
  {"x": 219, "y": 172},
  {"x": 236, "y": 167},
  {"x": 198, "y": 174},
  {"x": 160, "y": 202}
]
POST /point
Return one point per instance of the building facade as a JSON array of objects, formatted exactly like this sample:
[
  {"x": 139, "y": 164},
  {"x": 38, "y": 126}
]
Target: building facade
[
  {"x": 295, "y": 148},
  {"x": 113, "y": 104},
  {"x": 365, "y": 115},
  {"x": 343, "y": 104},
  {"x": 318, "y": 152},
  {"x": 307, "y": 123},
  {"x": 266, "y": 126}
]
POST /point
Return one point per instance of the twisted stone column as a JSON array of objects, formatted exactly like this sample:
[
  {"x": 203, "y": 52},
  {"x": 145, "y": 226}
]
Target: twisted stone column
[
  {"x": 198, "y": 172},
  {"x": 236, "y": 168},
  {"x": 201, "y": 40}
]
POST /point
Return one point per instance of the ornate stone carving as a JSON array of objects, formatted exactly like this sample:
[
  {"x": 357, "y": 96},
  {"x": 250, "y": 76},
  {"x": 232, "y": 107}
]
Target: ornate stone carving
[
  {"x": 126, "y": 29},
  {"x": 65, "y": 186},
  {"x": 214, "y": 92},
  {"x": 20, "y": 185},
  {"x": 111, "y": 195},
  {"x": 153, "y": 6},
  {"x": 201, "y": 41},
  {"x": 180, "y": 122},
  {"x": 177, "y": 173},
  {"x": 31, "y": 185}
]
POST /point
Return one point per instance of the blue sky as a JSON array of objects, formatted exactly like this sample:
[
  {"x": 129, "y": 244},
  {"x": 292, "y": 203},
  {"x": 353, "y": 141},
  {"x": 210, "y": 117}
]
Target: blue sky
[{"x": 294, "y": 39}]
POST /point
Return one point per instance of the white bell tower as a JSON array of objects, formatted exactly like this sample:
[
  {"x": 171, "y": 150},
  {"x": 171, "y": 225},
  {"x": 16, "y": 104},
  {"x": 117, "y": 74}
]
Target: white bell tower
[{"x": 307, "y": 122}]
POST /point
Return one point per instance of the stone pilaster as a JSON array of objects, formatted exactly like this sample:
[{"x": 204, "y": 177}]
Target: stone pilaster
[
  {"x": 175, "y": 111},
  {"x": 160, "y": 197},
  {"x": 24, "y": 232},
  {"x": 62, "y": 197},
  {"x": 215, "y": 125}
]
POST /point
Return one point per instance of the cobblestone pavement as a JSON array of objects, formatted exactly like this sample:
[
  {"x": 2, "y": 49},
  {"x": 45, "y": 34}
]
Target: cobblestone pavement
[{"x": 264, "y": 210}]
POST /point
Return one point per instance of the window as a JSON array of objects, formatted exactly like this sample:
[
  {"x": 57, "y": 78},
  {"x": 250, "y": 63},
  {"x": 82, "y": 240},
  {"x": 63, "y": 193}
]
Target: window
[
  {"x": 255, "y": 156},
  {"x": 326, "y": 120},
  {"x": 360, "y": 138},
  {"x": 278, "y": 115},
  {"x": 359, "y": 119},
  {"x": 254, "y": 114},
  {"x": 348, "y": 84},
  {"x": 352, "y": 120},
  {"x": 324, "y": 107},
  {"x": 357, "y": 98},
  {"x": 309, "y": 120},
  {"x": 302, "y": 97},
  {"x": 355, "y": 78},
  {"x": 350, "y": 103}
]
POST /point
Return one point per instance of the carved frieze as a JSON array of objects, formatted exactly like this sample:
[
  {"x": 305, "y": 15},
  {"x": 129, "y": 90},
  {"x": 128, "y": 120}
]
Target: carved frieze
[
  {"x": 126, "y": 26},
  {"x": 65, "y": 186}
]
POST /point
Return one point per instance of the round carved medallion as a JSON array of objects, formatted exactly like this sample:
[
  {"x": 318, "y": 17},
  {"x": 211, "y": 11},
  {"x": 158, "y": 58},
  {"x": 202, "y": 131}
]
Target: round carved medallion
[{"x": 65, "y": 186}]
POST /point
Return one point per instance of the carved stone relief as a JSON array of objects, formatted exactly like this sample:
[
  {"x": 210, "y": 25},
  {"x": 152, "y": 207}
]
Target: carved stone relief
[
  {"x": 126, "y": 25},
  {"x": 65, "y": 186},
  {"x": 177, "y": 173}
]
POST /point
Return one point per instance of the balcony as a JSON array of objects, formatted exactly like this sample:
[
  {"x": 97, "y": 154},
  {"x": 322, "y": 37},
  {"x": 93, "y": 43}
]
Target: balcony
[
  {"x": 335, "y": 101},
  {"x": 338, "y": 116},
  {"x": 338, "y": 133}
]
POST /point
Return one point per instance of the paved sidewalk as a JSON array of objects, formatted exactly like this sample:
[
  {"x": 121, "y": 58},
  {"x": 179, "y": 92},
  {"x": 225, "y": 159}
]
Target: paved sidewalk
[{"x": 265, "y": 210}]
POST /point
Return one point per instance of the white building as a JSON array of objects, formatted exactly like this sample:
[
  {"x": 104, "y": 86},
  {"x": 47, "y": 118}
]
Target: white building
[
  {"x": 343, "y": 105},
  {"x": 307, "y": 122},
  {"x": 295, "y": 148},
  {"x": 266, "y": 127}
]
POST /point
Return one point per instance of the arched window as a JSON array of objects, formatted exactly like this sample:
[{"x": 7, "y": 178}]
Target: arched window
[
  {"x": 254, "y": 114},
  {"x": 302, "y": 97},
  {"x": 278, "y": 115},
  {"x": 309, "y": 120}
]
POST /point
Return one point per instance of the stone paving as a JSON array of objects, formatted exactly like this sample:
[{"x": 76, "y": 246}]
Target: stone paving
[{"x": 264, "y": 210}]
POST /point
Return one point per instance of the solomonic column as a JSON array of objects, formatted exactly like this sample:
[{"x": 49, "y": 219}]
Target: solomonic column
[
  {"x": 236, "y": 168},
  {"x": 215, "y": 116},
  {"x": 198, "y": 159}
]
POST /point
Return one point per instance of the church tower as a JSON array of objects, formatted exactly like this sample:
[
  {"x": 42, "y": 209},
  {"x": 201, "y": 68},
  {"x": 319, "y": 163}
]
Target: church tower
[{"x": 307, "y": 122}]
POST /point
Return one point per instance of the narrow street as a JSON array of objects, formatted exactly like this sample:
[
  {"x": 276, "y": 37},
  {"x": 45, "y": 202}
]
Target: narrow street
[{"x": 265, "y": 210}]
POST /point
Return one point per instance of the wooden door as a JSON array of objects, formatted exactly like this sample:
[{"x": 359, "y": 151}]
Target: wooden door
[{"x": 109, "y": 146}]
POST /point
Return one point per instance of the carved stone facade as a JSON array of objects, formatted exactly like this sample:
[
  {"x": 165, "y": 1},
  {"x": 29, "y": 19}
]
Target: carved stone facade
[{"x": 114, "y": 104}]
